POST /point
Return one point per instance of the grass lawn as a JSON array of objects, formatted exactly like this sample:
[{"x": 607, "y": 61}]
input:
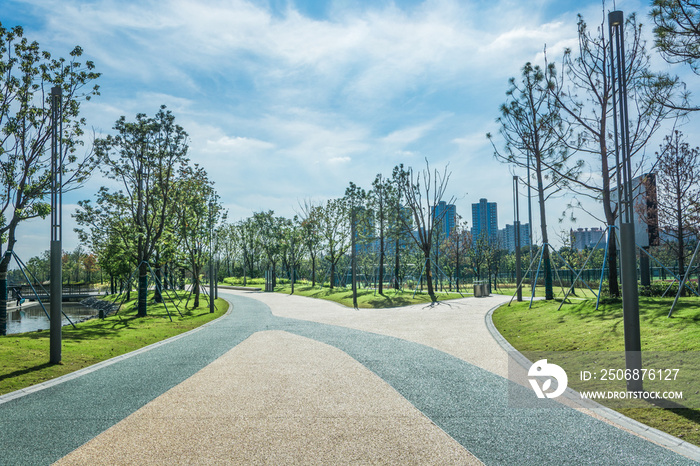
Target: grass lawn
[
  {"x": 580, "y": 293},
  {"x": 366, "y": 298},
  {"x": 24, "y": 357},
  {"x": 579, "y": 327}
]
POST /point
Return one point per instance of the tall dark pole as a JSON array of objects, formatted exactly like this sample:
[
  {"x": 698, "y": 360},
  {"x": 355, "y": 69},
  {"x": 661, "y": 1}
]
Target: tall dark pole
[
  {"x": 516, "y": 226},
  {"x": 211, "y": 257},
  {"x": 56, "y": 235},
  {"x": 628, "y": 256},
  {"x": 529, "y": 206},
  {"x": 353, "y": 233}
]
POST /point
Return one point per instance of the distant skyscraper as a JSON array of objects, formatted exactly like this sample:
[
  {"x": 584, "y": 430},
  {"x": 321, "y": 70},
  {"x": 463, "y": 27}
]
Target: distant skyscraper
[
  {"x": 509, "y": 236},
  {"x": 446, "y": 214},
  {"x": 485, "y": 221},
  {"x": 588, "y": 238}
]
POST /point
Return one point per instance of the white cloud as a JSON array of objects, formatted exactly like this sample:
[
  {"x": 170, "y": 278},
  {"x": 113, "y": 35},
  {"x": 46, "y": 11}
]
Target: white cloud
[{"x": 237, "y": 144}]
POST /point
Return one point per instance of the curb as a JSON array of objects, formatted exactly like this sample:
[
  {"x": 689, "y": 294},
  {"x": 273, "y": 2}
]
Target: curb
[
  {"x": 86, "y": 370},
  {"x": 649, "y": 433}
]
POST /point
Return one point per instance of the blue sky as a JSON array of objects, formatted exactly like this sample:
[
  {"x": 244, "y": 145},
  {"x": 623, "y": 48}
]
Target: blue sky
[{"x": 292, "y": 100}]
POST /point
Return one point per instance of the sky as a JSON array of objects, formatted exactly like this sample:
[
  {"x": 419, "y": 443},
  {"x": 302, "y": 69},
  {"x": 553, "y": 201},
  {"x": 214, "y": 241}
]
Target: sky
[{"x": 286, "y": 101}]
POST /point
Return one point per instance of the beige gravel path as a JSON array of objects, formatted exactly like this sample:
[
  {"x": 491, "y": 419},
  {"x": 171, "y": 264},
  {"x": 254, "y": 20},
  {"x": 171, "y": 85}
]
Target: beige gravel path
[
  {"x": 456, "y": 327},
  {"x": 276, "y": 398}
]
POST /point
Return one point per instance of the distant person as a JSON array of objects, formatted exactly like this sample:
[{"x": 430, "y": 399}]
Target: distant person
[{"x": 18, "y": 294}]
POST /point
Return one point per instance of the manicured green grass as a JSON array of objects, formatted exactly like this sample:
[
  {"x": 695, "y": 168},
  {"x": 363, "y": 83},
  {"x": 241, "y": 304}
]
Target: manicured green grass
[
  {"x": 366, "y": 298},
  {"x": 24, "y": 357},
  {"x": 578, "y": 293},
  {"x": 579, "y": 327}
]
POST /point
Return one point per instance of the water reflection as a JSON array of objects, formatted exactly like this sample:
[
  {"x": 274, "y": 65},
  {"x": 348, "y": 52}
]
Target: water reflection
[{"x": 32, "y": 317}]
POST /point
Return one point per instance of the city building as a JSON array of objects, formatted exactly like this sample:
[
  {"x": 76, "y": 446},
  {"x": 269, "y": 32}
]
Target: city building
[
  {"x": 446, "y": 215},
  {"x": 587, "y": 238},
  {"x": 509, "y": 236},
  {"x": 485, "y": 221}
]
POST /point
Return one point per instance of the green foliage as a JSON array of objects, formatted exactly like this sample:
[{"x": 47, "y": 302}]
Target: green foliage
[
  {"x": 677, "y": 31},
  {"x": 27, "y": 75}
]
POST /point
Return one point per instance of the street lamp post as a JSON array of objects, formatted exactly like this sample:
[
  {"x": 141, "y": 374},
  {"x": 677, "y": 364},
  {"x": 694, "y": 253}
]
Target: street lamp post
[
  {"x": 628, "y": 256},
  {"x": 516, "y": 226},
  {"x": 56, "y": 235},
  {"x": 211, "y": 257}
]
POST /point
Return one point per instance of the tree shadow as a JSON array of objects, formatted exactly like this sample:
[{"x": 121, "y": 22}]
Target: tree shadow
[{"x": 25, "y": 371}]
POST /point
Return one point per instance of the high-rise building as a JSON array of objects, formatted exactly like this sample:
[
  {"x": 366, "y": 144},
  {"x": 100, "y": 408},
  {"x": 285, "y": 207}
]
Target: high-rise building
[
  {"x": 485, "y": 221},
  {"x": 588, "y": 238},
  {"x": 446, "y": 215},
  {"x": 509, "y": 236}
]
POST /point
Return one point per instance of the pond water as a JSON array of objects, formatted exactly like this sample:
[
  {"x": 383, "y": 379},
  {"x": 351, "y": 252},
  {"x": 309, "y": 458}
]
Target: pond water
[{"x": 32, "y": 317}]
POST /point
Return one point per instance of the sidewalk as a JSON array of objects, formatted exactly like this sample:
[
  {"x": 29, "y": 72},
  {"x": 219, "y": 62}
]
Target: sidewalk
[{"x": 284, "y": 379}]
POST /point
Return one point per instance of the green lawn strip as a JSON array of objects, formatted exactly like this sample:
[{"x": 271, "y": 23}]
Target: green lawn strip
[
  {"x": 577, "y": 295},
  {"x": 579, "y": 327},
  {"x": 366, "y": 298},
  {"x": 24, "y": 357}
]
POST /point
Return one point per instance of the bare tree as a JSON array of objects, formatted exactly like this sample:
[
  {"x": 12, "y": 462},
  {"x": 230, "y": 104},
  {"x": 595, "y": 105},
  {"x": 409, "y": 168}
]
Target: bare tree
[
  {"x": 422, "y": 192},
  {"x": 584, "y": 94},
  {"x": 678, "y": 193},
  {"x": 533, "y": 129}
]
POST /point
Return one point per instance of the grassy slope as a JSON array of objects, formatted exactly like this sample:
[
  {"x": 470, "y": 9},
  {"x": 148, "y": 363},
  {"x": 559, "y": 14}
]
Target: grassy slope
[
  {"x": 580, "y": 327},
  {"x": 366, "y": 299},
  {"x": 24, "y": 357}
]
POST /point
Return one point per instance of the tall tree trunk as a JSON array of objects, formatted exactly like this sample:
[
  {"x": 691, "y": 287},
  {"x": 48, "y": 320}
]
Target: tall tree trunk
[
  {"x": 313, "y": 270},
  {"x": 548, "y": 282},
  {"x": 158, "y": 282},
  {"x": 396, "y": 264},
  {"x": 354, "y": 261},
  {"x": 429, "y": 277},
  {"x": 196, "y": 285},
  {"x": 332, "y": 272},
  {"x": 681, "y": 242},
  {"x": 381, "y": 263},
  {"x": 143, "y": 289},
  {"x": 3, "y": 298}
]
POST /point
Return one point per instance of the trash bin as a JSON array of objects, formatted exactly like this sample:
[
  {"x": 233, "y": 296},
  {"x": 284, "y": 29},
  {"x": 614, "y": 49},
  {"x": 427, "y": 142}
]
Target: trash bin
[
  {"x": 478, "y": 290},
  {"x": 486, "y": 290}
]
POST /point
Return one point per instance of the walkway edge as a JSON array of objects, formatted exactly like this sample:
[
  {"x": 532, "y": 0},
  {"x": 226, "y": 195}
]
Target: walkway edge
[
  {"x": 654, "y": 435},
  {"x": 86, "y": 370}
]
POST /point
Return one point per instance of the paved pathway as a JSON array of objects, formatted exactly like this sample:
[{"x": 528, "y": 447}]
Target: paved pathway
[{"x": 291, "y": 380}]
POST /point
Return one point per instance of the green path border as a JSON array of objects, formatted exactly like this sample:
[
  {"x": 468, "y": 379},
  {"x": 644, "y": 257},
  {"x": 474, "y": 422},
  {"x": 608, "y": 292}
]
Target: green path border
[{"x": 467, "y": 402}]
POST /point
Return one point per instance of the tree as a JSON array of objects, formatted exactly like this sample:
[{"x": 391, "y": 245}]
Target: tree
[
  {"x": 334, "y": 230},
  {"x": 292, "y": 246},
  {"x": 677, "y": 31},
  {"x": 678, "y": 193},
  {"x": 197, "y": 212},
  {"x": 27, "y": 74},
  {"x": 144, "y": 156},
  {"x": 423, "y": 192},
  {"x": 228, "y": 242},
  {"x": 248, "y": 242},
  {"x": 381, "y": 198},
  {"x": 584, "y": 94},
  {"x": 355, "y": 197},
  {"x": 531, "y": 126},
  {"x": 456, "y": 248},
  {"x": 270, "y": 236},
  {"x": 311, "y": 237}
]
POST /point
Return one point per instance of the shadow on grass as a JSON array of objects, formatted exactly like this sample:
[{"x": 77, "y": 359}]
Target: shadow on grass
[{"x": 28, "y": 370}]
